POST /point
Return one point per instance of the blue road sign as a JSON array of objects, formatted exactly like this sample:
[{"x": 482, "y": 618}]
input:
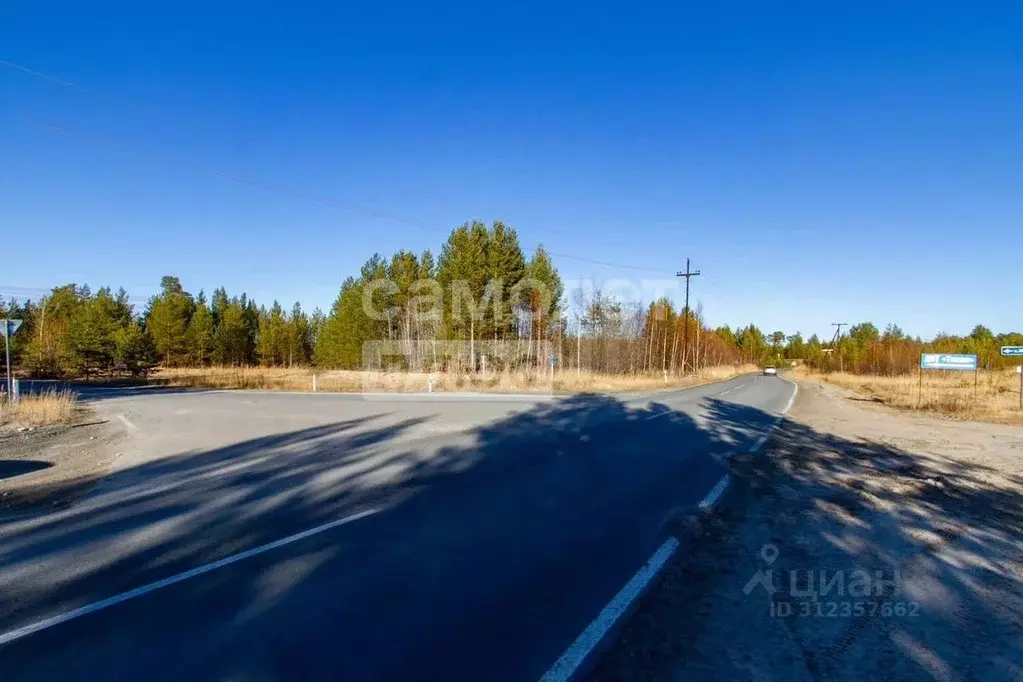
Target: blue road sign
[
  {"x": 1012, "y": 350},
  {"x": 948, "y": 361}
]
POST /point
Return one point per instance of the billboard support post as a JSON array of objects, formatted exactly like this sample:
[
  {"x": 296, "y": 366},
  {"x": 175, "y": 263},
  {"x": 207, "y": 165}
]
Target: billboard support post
[
  {"x": 952, "y": 361},
  {"x": 920, "y": 388},
  {"x": 1016, "y": 351}
]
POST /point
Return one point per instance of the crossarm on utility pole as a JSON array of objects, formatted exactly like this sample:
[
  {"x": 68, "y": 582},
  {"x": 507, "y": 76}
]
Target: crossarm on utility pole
[{"x": 688, "y": 274}]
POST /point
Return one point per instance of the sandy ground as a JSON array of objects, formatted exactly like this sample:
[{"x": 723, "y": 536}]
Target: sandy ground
[
  {"x": 846, "y": 485},
  {"x": 50, "y": 466}
]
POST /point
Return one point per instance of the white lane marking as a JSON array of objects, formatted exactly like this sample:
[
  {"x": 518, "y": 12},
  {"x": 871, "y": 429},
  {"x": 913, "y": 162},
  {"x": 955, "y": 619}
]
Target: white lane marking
[
  {"x": 763, "y": 439},
  {"x": 715, "y": 492},
  {"x": 166, "y": 582},
  {"x": 736, "y": 388},
  {"x": 777, "y": 420},
  {"x": 128, "y": 424},
  {"x": 659, "y": 414},
  {"x": 584, "y": 645},
  {"x": 566, "y": 666}
]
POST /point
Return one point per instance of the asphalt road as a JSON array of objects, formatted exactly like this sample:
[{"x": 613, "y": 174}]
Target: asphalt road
[{"x": 495, "y": 530}]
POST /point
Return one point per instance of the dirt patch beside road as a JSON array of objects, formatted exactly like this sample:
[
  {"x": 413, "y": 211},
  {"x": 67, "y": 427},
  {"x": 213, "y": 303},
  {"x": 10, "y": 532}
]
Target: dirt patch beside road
[
  {"x": 930, "y": 510},
  {"x": 50, "y": 466}
]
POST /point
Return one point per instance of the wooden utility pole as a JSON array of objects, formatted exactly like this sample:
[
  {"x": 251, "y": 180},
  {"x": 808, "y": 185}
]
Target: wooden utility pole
[
  {"x": 685, "y": 320},
  {"x": 838, "y": 334},
  {"x": 578, "y": 345}
]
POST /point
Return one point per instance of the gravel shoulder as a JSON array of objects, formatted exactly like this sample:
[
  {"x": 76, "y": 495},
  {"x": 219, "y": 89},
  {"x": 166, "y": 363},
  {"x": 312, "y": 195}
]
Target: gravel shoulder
[
  {"x": 51, "y": 466},
  {"x": 847, "y": 485}
]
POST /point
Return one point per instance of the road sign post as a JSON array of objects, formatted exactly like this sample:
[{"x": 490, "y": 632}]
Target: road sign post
[
  {"x": 8, "y": 329},
  {"x": 1015, "y": 352},
  {"x": 920, "y": 387},
  {"x": 953, "y": 361}
]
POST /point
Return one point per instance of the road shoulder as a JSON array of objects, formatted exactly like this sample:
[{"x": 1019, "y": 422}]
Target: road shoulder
[
  {"x": 933, "y": 507},
  {"x": 49, "y": 467}
]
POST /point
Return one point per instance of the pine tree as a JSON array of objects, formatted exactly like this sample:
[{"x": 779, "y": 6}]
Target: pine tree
[
  {"x": 428, "y": 310},
  {"x": 795, "y": 348},
  {"x": 218, "y": 304},
  {"x": 315, "y": 325},
  {"x": 122, "y": 310},
  {"x": 272, "y": 340},
  {"x": 200, "y": 333},
  {"x": 777, "y": 338},
  {"x": 403, "y": 271},
  {"x": 379, "y": 300},
  {"x": 47, "y": 353},
  {"x": 340, "y": 340},
  {"x": 167, "y": 321},
  {"x": 462, "y": 274},
  {"x": 544, "y": 301},
  {"x": 506, "y": 266},
  {"x": 751, "y": 341},
  {"x": 250, "y": 318},
  {"x": 230, "y": 339},
  {"x": 91, "y": 334},
  {"x": 134, "y": 349},
  {"x": 298, "y": 337}
]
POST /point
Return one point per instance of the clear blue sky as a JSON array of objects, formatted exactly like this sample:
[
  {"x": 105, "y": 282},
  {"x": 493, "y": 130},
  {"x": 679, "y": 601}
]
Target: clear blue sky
[{"x": 817, "y": 164}]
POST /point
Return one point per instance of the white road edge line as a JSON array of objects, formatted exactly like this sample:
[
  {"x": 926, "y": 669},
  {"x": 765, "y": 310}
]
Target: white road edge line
[
  {"x": 777, "y": 420},
  {"x": 127, "y": 424},
  {"x": 715, "y": 492},
  {"x": 584, "y": 645},
  {"x": 33, "y": 628}
]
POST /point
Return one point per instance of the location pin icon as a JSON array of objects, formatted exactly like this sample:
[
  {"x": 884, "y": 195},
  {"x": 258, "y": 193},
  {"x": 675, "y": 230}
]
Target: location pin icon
[{"x": 769, "y": 553}]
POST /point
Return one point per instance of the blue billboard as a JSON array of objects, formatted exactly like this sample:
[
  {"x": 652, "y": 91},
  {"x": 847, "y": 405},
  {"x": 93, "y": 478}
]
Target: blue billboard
[{"x": 948, "y": 361}]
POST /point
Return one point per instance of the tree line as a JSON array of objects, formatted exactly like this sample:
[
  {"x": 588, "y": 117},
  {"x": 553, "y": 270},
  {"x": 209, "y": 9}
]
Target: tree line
[
  {"x": 481, "y": 305},
  {"x": 867, "y": 350},
  {"x": 75, "y": 332}
]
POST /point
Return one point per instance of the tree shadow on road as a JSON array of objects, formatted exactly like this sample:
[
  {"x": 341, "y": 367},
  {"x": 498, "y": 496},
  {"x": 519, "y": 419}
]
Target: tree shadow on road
[
  {"x": 488, "y": 551},
  {"x": 952, "y": 530},
  {"x": 494, "y": 539}
]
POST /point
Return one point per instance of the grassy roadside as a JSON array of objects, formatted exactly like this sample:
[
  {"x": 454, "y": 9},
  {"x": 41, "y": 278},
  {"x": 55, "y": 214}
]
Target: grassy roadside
[
  {"x": 301, "y": 379},
  {"x": 44, "y": 409},
  {"x": 995, "y": 398}
]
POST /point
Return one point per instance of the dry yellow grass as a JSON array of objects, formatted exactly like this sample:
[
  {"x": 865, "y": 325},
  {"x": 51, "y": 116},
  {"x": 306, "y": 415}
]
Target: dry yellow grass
[
  {"x": 995, "y": 397},
  {"x": 301, "y": 379},
  {"x": 44, "y": 409}
]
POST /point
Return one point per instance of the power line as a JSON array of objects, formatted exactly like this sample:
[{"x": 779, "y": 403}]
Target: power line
[
  {"x": 260, "y": 184},
  {"x": 55, "y": 79},
  {"x": 289, "y": 191},
  {"x": 838, "y": 334},
  {"x": 10, "y": 292},
  {"x": 685, "y": 324}
]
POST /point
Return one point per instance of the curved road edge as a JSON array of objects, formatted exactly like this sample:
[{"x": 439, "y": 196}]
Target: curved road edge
[{"x": 580, "y": 657}]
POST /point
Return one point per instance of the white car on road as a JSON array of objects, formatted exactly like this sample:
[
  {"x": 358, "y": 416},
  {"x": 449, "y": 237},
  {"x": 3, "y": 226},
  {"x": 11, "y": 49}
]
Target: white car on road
[{"x": 770, "y": 370}]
